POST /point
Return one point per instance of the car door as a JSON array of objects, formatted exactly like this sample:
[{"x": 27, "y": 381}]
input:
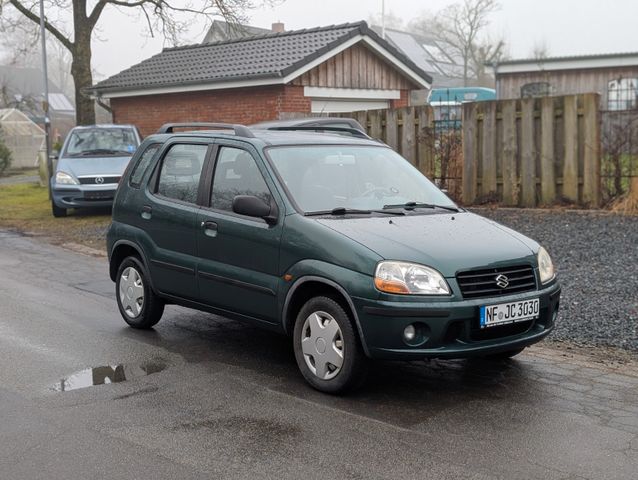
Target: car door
[
  {"x": 168, "y": 216},
  {"x": 239, "y": 255}
]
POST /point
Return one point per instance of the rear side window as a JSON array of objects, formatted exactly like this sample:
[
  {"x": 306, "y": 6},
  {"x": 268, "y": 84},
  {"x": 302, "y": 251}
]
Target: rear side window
[
  {"x": 180, "y": 172},
  {"x": 236, "y": 173},
  {"x": 142, "y": 164}
]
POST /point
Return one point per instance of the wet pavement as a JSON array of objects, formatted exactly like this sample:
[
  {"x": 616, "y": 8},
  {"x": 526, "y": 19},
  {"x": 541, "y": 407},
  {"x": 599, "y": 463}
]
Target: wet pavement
[{"x": 228, "y": 401}]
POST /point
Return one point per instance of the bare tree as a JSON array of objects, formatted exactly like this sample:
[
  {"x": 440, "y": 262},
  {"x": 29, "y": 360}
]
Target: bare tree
[
  {"x": 22, "y": 49},
  {"x": 170, "y": 17},
  {"x": 391, "y": 20},
  {"x": 540, "y": 51},
  {"x": 461, "y": 27}
]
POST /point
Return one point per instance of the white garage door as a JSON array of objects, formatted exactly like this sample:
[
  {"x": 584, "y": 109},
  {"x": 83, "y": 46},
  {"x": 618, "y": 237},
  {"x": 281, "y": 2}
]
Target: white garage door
[{"x": 338, "y": 106}]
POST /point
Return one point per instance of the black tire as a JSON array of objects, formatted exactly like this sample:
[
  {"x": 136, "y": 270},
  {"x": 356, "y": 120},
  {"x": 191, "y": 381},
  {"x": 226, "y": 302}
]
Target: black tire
[
  {"x": 57, "y": 211},
  {"x": 505, "y": 355},
  {"x": 354, "y": 367},
  {"x": 152, "y": 307}
]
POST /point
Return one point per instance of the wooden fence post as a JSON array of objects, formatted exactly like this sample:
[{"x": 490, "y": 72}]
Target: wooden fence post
[
  {"x": 408, "y": 139},
  {"x": 510, "y": 147},
  {"x": 591, "y": 154},
  {"x": 425, "y": 141},
  {"x": 470, "y": 158},
  {"x": 392, "y": 129},
  {"x": 548, "y": 175},
  {"x": 528, "y": 154},
  {"x": 570, "y": 167},
  {"x": 488, "y": 179},
  {"x": 375, "y": 130}
]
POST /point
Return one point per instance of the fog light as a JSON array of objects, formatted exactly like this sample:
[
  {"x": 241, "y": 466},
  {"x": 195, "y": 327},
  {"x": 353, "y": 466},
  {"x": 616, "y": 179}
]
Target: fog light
[{"x": 409, "y": 333}]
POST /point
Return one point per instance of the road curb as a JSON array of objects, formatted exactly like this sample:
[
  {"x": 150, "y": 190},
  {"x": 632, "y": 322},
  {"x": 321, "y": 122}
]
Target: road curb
[{"x": 84, "y": 250}]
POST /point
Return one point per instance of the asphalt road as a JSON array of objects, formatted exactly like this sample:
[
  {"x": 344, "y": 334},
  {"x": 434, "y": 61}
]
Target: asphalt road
[{"x": 229, "y": 403}]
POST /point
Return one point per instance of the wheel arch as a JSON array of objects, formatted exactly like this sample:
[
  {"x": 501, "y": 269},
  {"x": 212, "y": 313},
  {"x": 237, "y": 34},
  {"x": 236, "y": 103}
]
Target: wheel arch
[
  {"x": 121, "y": 250},
  {"x": 310, "y": 286}
]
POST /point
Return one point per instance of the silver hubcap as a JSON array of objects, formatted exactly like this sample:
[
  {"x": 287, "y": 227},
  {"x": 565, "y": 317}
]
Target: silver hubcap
[
  {"x": 131, "y": 292},
  {"x": 322, "y": 345}
]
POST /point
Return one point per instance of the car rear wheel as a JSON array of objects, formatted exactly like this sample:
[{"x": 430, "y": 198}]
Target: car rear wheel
[
  {"x": 327, "y": 349},
  {"x": 138, "y": 304},
  {"x": 505, "y": 355},
  {"x": 57, "y": 211}
]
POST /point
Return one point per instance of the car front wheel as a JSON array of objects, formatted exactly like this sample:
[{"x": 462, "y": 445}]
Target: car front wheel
[
  {"x": 326, "y": 346},
  {"x": 138, "y": 304},
  {"x": 57, "y": 211}
]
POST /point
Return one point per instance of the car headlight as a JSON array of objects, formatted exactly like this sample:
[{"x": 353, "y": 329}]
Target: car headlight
[
  {"x": 545, "y": 266},
  {"x": 409, "y": 278},
  {"x": 65, "y": 179}
]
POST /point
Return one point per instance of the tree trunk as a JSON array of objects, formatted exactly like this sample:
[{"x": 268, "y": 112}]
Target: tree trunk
[{"x": 81, "y": 66}]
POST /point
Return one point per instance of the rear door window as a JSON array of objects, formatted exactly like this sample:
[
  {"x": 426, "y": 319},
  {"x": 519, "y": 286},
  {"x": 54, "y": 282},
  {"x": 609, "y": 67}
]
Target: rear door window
[
  {"x": 181, "y": 171},
  {"x": 142, "y": 164}
]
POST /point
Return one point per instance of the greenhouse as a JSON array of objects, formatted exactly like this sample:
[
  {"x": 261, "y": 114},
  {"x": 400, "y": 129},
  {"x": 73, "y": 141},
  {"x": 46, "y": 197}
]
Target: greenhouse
[{"x": 22, "y": 136}]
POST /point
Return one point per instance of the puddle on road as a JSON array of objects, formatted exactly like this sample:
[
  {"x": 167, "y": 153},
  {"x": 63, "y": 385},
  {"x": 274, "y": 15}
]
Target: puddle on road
[{"x": 107, "y": 374}]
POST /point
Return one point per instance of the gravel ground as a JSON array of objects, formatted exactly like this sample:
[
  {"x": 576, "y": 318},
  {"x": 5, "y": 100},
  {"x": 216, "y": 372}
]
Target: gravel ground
[{"x": 596, "y": 255}]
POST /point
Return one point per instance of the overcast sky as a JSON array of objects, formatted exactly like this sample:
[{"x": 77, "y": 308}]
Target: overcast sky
[{"x": 566, "y": 27}]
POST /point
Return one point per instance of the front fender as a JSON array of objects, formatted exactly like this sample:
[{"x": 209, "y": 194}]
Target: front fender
[{"x": 350, "y": 284}]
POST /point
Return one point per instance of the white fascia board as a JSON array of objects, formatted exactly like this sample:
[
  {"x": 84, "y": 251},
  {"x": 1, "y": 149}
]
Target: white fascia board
[
  {"x": 575, "y": 64},
  {"x": 194, "y": 88},
  {"x": 351, "y": 93}
]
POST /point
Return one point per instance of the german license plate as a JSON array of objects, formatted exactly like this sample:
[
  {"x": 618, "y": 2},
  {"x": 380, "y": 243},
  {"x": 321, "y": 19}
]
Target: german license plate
[
  {"x": 99, "y": 195},
  {"x": 504, "y": 313}
]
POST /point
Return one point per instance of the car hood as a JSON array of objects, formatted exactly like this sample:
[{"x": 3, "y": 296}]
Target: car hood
[
  {"x": 446, "y": 242},
  {"x": 97, "y": 166}
]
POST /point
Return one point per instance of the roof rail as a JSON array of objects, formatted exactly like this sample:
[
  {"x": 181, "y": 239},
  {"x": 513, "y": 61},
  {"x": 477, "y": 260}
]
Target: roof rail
[
  {"x": 240, "y": 130},
  {"x": 320, "y": 128}
]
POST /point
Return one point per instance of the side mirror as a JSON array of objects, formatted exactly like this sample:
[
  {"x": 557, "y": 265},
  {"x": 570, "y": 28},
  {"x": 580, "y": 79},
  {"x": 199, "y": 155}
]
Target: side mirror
[{"x": 252, "y": 206}]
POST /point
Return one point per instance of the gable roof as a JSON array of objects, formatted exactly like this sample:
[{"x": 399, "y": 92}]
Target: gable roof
[{"x": 269, "y": 59}]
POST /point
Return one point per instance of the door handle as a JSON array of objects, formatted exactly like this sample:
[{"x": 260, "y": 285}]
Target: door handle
[
  {"x": 147, "y": 212},
  {"x": 210, "y": 228}
]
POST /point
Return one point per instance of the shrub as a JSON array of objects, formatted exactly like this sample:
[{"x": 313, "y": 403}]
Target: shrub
[{"x": 5, "y": 157}]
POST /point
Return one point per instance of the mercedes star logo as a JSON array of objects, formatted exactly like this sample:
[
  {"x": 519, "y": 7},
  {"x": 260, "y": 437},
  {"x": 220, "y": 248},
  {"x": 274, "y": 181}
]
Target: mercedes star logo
[
  {"x": 99, "y": 180},
  {"x": 502, "y": 281}
]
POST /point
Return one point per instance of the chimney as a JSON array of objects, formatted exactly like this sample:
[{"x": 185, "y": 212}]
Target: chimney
[{"x": 278, "y": 27}]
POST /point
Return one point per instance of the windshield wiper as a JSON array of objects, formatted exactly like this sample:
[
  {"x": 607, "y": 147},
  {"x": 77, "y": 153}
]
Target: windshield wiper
[
  {"x": 100, "y": 150},
  {"x": 350, "y": 211},
  {"x": 339, "y": 211},
  {"x": 413, "y": 205}
]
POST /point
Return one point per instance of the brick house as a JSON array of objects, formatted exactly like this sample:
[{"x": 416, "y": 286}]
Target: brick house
[{"x": 272, "y": 76}]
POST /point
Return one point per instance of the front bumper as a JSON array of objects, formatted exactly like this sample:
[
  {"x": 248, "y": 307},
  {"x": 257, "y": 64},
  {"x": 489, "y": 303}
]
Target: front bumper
[
  {"x": 450, "y": 329},
  {"x": 80, "y": 196}
]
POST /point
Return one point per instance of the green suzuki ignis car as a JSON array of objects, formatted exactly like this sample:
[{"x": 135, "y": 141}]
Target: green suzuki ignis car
[{"x": 334, "y": 240}]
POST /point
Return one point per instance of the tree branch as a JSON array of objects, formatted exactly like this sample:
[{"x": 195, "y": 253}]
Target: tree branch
[{"x": 35, "y": 18}]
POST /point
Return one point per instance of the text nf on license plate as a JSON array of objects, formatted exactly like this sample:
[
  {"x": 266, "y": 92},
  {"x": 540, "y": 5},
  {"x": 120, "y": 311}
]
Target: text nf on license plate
[{"x": 492, "y": 315}]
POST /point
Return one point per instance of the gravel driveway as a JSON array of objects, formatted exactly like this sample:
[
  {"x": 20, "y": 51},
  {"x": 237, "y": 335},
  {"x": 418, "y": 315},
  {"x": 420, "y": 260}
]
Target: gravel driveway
[{"x": 596, "y": 254}]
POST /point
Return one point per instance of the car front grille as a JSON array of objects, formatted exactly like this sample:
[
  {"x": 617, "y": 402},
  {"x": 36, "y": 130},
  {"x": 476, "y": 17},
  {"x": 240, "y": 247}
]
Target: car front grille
[
  {"x": 483, "y": 283},
  {"x": 95, "y": 180}
]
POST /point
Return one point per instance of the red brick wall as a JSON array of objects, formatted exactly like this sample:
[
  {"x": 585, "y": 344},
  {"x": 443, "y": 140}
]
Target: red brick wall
[
  {"x": 404, "y": 101},
  {"x": 240, "y": 105}
]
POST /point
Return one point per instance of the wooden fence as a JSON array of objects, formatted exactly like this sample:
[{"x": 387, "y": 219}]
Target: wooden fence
[{"x": 529, "y": 152}]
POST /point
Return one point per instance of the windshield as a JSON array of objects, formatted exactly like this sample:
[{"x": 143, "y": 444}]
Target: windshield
[
  {"x": 101, "y": 141},
  {"x": 322, "y": 178}
]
